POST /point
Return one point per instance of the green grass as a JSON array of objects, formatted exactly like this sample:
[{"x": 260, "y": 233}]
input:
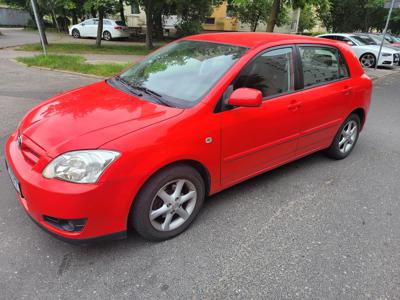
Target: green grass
[
  {"x": 72, "y": 63},
  {"x": 77, "y": 48}
]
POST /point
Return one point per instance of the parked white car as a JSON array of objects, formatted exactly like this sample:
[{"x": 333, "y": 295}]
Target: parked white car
[
  {"x": 111, "y": 29},
  {"x": 366, "y": 53}
]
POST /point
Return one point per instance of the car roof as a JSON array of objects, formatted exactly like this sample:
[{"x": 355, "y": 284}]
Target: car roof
[{"x": 250, "y": 39}]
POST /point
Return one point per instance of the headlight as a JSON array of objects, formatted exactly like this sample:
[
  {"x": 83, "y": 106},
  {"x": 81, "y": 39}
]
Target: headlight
[
  {"x": 83, "y": 166},
  {"x": 386, "y": 54}
]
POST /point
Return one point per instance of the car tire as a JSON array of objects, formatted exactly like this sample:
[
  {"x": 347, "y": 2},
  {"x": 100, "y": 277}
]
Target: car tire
[
  {"x": 107, "y": 36},
  {"x": 76, "y": 34},
  {"x": 158, "y": 219},
  {"x": 346, "y": 138},
  {"x": 368, "y": 60}
]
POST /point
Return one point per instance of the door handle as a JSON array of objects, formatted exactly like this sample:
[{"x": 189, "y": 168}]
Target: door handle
[
  {"x": 294, "y": 105},
  {"x": 347, "y": 90}
]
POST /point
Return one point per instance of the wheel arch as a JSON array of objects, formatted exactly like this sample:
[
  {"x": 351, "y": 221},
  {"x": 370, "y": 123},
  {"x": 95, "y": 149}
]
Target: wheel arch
[
  {"x": 198, "y": 166},
  {"x": 360, "y": 112}
]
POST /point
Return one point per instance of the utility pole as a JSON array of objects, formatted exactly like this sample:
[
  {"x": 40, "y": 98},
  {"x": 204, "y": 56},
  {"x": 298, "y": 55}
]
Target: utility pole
[
  {"x": 39, "y": 26},
  {"x": 388, "y": 4}
]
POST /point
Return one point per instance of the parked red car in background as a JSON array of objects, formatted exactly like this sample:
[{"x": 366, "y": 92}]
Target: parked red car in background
[{"x": 197, "y": 116}]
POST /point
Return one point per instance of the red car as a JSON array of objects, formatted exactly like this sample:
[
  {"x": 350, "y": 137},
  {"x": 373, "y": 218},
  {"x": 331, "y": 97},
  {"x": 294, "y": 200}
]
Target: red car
[{"x": 144, "y": 148}]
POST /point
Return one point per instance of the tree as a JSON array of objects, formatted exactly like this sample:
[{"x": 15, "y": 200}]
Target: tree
[
  {"x": 307, "y": 18},
  {"x": 101, "y": 7},
  {"x": 252, "y": 12}
]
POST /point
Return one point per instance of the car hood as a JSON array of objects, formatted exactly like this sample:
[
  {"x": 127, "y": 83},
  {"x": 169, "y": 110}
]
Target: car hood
[
  {"x": 375, "y": 49},
  {"x": 89, "y": 117}
]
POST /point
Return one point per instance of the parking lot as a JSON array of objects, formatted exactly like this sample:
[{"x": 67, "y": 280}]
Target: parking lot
[{"x": 315, "y": 228}]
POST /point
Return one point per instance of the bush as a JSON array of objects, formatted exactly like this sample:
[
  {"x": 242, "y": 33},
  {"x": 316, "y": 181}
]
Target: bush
[{"x": 186, "y": 28}]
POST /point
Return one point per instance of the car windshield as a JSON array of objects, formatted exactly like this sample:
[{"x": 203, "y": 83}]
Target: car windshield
[
  {"x": 183, "y": 72},
  {"x": 360, "y": 40},
  {"x": 367, "y": 39}
]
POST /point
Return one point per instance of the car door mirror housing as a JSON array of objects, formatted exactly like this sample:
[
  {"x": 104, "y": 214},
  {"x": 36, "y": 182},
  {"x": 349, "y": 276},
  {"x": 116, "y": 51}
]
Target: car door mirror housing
[{"x": 246, "y": 97}]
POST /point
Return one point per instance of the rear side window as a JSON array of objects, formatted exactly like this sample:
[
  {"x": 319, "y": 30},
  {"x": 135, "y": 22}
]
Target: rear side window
[
  {"x": 322, "y": 65},
  {"x": 271, "y": 73}
]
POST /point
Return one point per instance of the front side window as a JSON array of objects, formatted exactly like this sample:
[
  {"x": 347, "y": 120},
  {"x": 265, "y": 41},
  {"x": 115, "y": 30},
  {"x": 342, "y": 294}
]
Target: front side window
[
  {"x": 272, "y": 73},
  {"x": 88, "y": 22},
  {"x": 321, "y": 65},
  {"x": 183, "y": 72}
]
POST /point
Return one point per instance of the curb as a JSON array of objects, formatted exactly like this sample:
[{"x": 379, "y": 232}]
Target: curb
[{"x": 60, "y": 71}]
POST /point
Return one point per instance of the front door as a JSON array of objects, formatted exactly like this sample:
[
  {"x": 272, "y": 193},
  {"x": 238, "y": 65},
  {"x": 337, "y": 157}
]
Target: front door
[{"x": 257, "y": 139}]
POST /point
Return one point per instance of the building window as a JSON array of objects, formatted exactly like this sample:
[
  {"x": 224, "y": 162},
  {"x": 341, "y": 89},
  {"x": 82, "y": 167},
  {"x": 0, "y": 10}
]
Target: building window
[
  {"x": 210, "y": 21},
  {"x": 229, "y": 9},
  {"x": 135, "y": 10}
]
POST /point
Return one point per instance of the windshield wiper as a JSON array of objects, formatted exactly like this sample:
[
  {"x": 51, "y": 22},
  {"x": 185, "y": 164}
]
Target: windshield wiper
[
  {"x": 152, "y": 93},
  {"x": 125, "y": 83},
  {"x": 136, "y": 87}
]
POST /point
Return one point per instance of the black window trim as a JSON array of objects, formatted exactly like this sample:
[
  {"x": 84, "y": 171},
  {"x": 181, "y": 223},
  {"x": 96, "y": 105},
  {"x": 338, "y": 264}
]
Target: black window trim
[{"x": 300, "y": 66}]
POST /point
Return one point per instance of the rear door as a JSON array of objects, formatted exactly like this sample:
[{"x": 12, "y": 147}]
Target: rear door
[
  {"x": 260, "y": 138},
  {"x": 325, "y": 98}
]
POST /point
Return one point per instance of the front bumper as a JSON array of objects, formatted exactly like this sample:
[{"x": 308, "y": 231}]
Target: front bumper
[{"x": 104, "y": 205}]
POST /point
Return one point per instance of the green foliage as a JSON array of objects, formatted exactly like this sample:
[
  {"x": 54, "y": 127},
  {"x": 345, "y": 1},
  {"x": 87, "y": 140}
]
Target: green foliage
[
  {"x": 307, "y": 18},
  {"x": 88, "y": 48},
  {"x": 188, "y": 27},
  {"x": 252, "y": 12},
  {"x": 352, "y": 15},
  {"x": 72, "y": 63}
]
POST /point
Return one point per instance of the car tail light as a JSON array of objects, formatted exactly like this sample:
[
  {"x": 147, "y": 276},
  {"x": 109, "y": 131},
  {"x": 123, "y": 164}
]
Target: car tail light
[{"x": 117, "y": 27}]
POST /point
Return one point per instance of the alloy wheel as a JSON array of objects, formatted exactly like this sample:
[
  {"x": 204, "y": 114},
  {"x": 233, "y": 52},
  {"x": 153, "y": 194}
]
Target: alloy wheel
[
  {"x": 107, "y": 36},
  {"x": 75, "y": 34},
  {"x": 368, "y": 60},
  {"x": 348, "y": 136},
  {"x": 173, "y": 205}
]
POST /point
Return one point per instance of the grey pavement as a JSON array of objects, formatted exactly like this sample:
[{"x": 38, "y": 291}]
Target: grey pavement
[
  {"x": 313, "y": 229},
  {"x": 12, "y": 37}
]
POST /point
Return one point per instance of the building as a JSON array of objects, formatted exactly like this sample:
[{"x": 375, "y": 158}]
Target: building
[{"x": 221, "y": 19}]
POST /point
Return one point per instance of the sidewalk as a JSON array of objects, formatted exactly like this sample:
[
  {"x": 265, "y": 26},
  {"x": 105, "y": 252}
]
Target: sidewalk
[{"x": 380, "y": 73}]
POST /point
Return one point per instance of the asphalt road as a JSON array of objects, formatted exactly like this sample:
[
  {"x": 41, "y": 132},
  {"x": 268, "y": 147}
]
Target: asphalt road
[
  {"x": 17, "y": 36},
  {"x": 315, "y": 228}
]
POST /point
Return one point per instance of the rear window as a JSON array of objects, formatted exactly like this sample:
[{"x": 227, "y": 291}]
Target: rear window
[
  {"x": 120, "y": 23},
  {"x": 322, "y": 65}
]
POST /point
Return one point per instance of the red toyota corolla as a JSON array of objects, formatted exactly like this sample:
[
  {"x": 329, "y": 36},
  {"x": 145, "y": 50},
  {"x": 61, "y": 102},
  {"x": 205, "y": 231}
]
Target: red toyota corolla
[{"x": 197, "y": 116}]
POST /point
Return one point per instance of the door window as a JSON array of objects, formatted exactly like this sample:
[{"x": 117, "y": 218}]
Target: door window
[
  {"x": 272, "y": 73},
  {"x": 321, "y": 65},
  {"x": 88, "y": 22}
]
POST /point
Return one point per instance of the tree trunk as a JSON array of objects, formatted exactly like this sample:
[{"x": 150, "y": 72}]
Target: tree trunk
[
  {"x": 148, "y": 7},
  {"x": 273, "y": 16},
  {"x": 158, "y": 24},
  {"x": 255, "y": 23},
  {"x": 100, "y": 27},
  {"x": 54, "y": 19},
  {"x": 93, "y": 12},
  {"x": 74, "y": 17},
  {"x": 41, "y": 24},
  {"x": 121, "y": 10}
]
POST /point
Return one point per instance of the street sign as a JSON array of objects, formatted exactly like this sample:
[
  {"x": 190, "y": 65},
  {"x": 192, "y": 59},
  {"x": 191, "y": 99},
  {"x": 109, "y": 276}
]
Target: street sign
[{"x": 389, "y": 2}]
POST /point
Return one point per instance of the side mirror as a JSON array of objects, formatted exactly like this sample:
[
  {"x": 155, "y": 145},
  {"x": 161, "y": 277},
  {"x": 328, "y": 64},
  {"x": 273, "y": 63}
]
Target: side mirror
[
  {"x": 246, "y": 97},
  {"x": 350, "y": 43}
]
